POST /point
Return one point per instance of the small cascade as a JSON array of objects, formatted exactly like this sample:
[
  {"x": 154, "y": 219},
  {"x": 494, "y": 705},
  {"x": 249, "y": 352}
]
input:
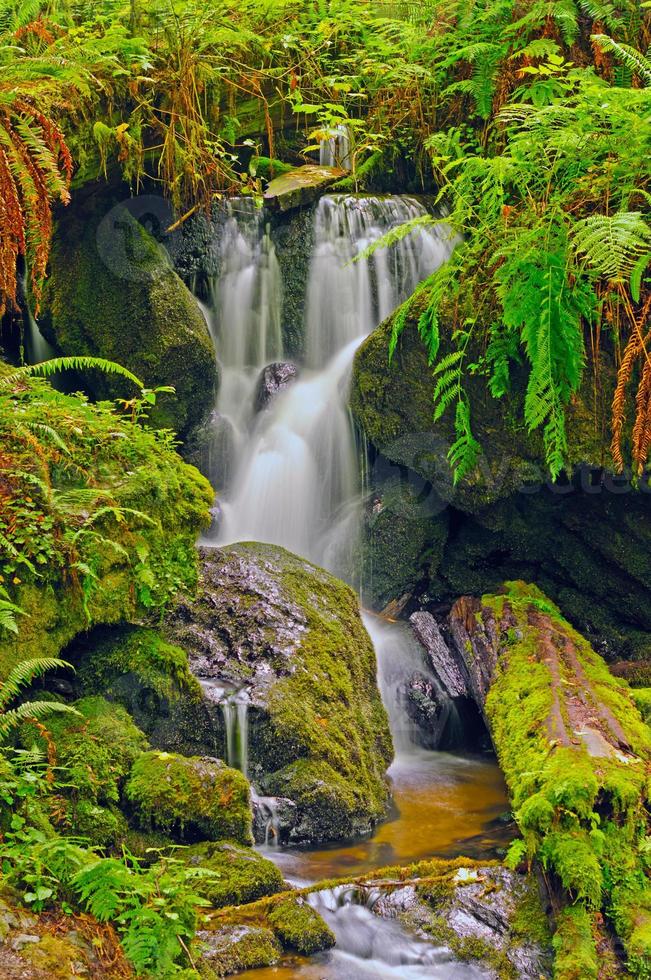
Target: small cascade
[
  {"x": 420, "y": 713},
  {"x": 244, "y": 318},
  {"x": 375, "y": 947},
  {"x": 235, "y": 708},
  {"x": 337, "y": 150},
  {"x": 347, "y": 299}
]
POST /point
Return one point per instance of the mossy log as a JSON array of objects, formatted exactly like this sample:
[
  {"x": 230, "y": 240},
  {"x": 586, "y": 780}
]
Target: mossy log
[{"x": 576, "y": 755}]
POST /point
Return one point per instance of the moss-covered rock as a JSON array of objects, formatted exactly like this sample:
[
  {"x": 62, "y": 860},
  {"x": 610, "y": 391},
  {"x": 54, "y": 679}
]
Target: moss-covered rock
[
  {"x": 393, "y": 403},
  {"x": 242, "y": 875},
  {"x": 299, "y": 927},
  {"x": 575, "y": 753},
  {"x": 299, "y": 186},
  {"x": 137, "y": 668},
  {"x": 642, "y": 698},
  {"x": 236, "y": 948},
  {"x": 94, "y": 753},
  {"x": 112, "y": 293},
  {"x": 99, "y": 518},
  {"x": 291, "y": 635},
  {"x": 192, "y": 798}
]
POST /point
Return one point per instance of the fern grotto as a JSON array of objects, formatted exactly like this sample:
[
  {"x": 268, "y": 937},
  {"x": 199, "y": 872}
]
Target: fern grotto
[{"x": 325, "y": 489}]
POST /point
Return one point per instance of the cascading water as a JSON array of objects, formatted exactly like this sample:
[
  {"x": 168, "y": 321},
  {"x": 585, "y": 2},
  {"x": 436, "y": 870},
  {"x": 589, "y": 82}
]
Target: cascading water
[
  {"x": 293, "y": 478},
  {"x": 295, "y": 475}
]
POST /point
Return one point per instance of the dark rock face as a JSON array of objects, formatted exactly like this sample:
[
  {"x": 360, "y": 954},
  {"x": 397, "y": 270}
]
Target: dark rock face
[
  {"x": 426, "y": 629},
  {"x": 587, "y": 543},
  {"x": 273, "y": 379}
]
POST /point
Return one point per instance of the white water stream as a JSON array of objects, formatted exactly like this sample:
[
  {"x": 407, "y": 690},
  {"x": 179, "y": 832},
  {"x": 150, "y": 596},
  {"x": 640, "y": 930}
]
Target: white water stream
[{"x": 290, "y": 475}]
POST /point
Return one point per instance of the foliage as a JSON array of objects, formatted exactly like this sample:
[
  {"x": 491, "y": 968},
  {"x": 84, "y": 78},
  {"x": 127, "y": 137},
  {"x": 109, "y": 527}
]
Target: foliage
[
  {"x": 21, "y": 676},
  {"x": 83, "y": 489}
]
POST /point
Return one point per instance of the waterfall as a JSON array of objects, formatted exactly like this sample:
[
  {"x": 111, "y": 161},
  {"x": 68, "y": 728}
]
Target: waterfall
[
  {"x": 336, "y": 150},
  {"x": 293, "y": 477},
  {"x": 401, "y": 666},
  {"x": 234, "y": 708}
]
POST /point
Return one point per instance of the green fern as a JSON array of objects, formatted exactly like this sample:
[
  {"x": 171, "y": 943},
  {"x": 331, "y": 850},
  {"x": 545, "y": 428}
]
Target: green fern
[
  {"x": 613, "y": 246},
  {"x": 395, "y": 235},
  {"x": 48, "y": 368},
  {"x": 634, "y": 60},
  {"x": 464, "y": 451},
  {"x": 20, "y": 677}
]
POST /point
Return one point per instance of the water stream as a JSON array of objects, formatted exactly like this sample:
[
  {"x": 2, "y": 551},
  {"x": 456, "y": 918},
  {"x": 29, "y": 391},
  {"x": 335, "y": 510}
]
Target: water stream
[{"x": 289, "y": 474}]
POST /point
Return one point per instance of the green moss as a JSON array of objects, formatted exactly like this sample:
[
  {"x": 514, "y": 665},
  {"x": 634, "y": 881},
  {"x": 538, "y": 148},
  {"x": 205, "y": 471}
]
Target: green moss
[
  {"x": 77, "y": 562},
  {"x": 576, "y": 954},
  {"x": 642, "y": 698},
  {"x": 112, "y": 293},
  {"x": 582, "y": 813},
  {"x": 191, "y": 797},
  {"x": 326, "y": 714},
  {"x": 299, "y": 927},
  {"x": 243, "y": 874},
  {"x": 150, "y": 677}
]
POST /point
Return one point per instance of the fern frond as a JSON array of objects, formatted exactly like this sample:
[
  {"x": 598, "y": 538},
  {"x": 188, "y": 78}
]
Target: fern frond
[
  {"x": 395, "y": 235},
  {"x": 13, "y": 719},
  {"x": 47, "y": 368},
  {"x": 612, "y": 245},
  {"x": 627, "y": 55},
  {"x": 24, "y": 673}
]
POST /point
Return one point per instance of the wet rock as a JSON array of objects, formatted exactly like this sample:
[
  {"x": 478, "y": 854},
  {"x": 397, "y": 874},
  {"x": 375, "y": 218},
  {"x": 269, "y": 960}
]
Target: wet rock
[
  {"x": 299, "y": 187},
  {"x": 239, "y": 947},
  {"x": 274, "y": 819},
  {"x": 427, "y": 708},
  {"x": 480, "y": 910},
  {"x": 273, "y": 379},
  {"x": 441, "y": 659}
]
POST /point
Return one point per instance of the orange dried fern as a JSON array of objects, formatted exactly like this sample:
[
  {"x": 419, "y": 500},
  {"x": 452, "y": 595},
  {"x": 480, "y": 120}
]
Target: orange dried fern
[{"x": 35, "y": 169}]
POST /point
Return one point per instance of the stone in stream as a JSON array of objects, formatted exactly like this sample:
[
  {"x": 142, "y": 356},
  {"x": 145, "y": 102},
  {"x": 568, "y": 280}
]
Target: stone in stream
[
  {"x": 291, "y": 634},
  {"x": 300, "y": 186},
  {"x": 442, "y": 662},
  {"x": 273, "y": 379}
]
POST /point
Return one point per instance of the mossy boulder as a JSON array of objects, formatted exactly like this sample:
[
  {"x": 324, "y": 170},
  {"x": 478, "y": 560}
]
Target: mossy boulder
[
  {"x": 392, "y": 400},
  {"x": 191, "y": 798},
  {"x": 290, "y": 636},
  {"x": 299, "y": 927},
  {"x": 242, "y": 875},
  {"x": 575, "y": 754},
  {"x": 137, "y": 668},
  {"x": 232, "y": 949},
  {"x": 112, "y": 293},
  {"x": 102, "y": 530},
  {"x": 299, "y": 186}
]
